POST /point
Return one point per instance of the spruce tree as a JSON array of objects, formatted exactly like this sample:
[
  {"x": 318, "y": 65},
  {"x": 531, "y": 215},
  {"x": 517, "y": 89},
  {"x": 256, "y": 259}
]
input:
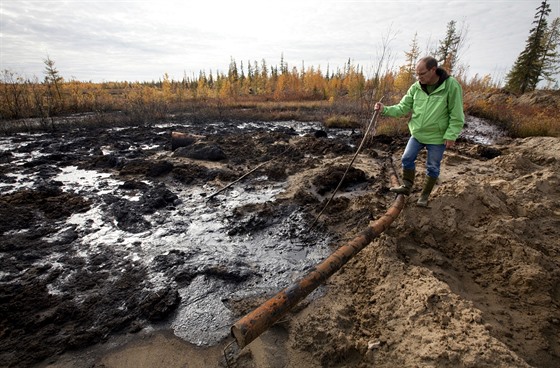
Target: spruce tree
[
  {"x": 53, "y": 81},
  {"x": 233, "y": 74},
  {"x": 551, "y": 57},
  {"x": 449, "y": 49},
  {"x": 527, "y": 70},
  {"x": 445, "y": 54},
  {"x": 52, "y": 77},
  {"x": 412, "y": 58},
  {"x": 406, "y": 74}
]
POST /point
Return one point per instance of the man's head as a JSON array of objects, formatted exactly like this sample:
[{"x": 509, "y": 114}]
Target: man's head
[{"x": 426, "y": 70}]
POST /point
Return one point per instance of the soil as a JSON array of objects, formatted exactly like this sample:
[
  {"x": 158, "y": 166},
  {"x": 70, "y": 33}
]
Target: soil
[{"x": 471, "y": 281}]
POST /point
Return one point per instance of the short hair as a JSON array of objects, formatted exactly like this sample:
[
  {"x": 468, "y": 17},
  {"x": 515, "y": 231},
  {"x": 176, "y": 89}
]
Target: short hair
[{"x": 429, "y": 61}]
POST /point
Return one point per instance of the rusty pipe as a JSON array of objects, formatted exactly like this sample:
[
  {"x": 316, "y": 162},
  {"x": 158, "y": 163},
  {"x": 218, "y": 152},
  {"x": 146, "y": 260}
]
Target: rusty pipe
[
  {"x": 179, "y": 139},
  {"x": 259, "y": 320}
]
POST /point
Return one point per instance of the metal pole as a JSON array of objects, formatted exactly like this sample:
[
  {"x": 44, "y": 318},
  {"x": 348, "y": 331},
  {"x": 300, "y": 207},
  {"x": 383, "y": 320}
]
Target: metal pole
[{"x": 255, "y": 323}]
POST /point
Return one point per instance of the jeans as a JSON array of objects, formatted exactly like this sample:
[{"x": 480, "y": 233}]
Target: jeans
[{"x": 435, "y": 155}]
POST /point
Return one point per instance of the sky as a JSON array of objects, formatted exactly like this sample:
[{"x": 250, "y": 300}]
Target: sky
[{"x": 140, "y": 40}]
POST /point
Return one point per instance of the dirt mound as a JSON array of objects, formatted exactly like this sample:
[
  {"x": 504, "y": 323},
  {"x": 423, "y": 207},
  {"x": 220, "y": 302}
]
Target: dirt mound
[
  {"x": 548, "y": 99},
  {"x": 473, "y": 281},
  {"x": 541, "y": 98}
]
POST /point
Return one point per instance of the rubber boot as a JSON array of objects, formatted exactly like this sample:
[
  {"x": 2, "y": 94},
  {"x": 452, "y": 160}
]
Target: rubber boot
[
  {"x": 428, "y": 186},
  {"x": 408, "y": 181}
]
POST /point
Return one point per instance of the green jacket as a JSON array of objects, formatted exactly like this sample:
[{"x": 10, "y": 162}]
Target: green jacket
[{"x": 437, "y": 116}]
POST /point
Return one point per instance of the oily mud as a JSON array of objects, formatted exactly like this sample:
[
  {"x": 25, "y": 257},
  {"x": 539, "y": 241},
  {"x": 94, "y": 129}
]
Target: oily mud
[
  {"x": 108, "y": 232},
  {"x": 116, "y": 251}
]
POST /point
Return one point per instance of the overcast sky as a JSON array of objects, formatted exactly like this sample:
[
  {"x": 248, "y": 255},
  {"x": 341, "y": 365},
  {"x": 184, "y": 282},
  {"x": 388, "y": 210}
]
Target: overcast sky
[{"x": 140, "y": 40}]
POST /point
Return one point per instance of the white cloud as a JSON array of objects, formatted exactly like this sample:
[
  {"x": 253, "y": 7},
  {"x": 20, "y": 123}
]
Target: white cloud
[{"x": 142, "y": 39}]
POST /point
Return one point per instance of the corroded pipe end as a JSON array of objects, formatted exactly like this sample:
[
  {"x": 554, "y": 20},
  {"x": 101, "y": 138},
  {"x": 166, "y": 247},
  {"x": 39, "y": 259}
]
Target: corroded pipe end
[{"x": 239, "y": 336}]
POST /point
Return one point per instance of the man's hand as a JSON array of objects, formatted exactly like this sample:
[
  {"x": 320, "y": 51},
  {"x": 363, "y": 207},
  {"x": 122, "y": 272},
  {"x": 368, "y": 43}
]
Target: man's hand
[
  {"x": 379, "y": 106},
  {"x": 449, "y": 144}
]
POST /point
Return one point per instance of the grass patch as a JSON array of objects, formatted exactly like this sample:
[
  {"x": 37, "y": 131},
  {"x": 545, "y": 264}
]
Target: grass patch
[
  {"x": 533, "y": 126},
  {"x": 341, "y": 121},
  {"x": 392, "y": 127}
]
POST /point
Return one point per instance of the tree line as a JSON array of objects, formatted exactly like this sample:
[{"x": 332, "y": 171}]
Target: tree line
[{"x": 21, "y": 97}]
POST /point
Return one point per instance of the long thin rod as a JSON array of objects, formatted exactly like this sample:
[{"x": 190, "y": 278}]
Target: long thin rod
[
  {"x": 372, "y": 124},
  {"x": 247, "y": 174},
  {"x": 238, "y": 180}
]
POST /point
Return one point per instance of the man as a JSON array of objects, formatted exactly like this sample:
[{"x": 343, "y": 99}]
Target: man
[{"x": 436, "y": 103}]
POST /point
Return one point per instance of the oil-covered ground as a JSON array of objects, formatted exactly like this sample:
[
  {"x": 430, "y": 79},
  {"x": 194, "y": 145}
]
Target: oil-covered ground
[{"x": 116, "y": 251}]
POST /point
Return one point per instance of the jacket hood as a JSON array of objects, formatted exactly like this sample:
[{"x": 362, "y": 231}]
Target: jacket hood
[{"x": 442, "y": 73}]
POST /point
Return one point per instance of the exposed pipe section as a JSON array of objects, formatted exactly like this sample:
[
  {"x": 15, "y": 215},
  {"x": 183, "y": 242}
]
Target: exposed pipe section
[
  {"x": 255, "y": 323},
  {"x": 179, "y": 139}
]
